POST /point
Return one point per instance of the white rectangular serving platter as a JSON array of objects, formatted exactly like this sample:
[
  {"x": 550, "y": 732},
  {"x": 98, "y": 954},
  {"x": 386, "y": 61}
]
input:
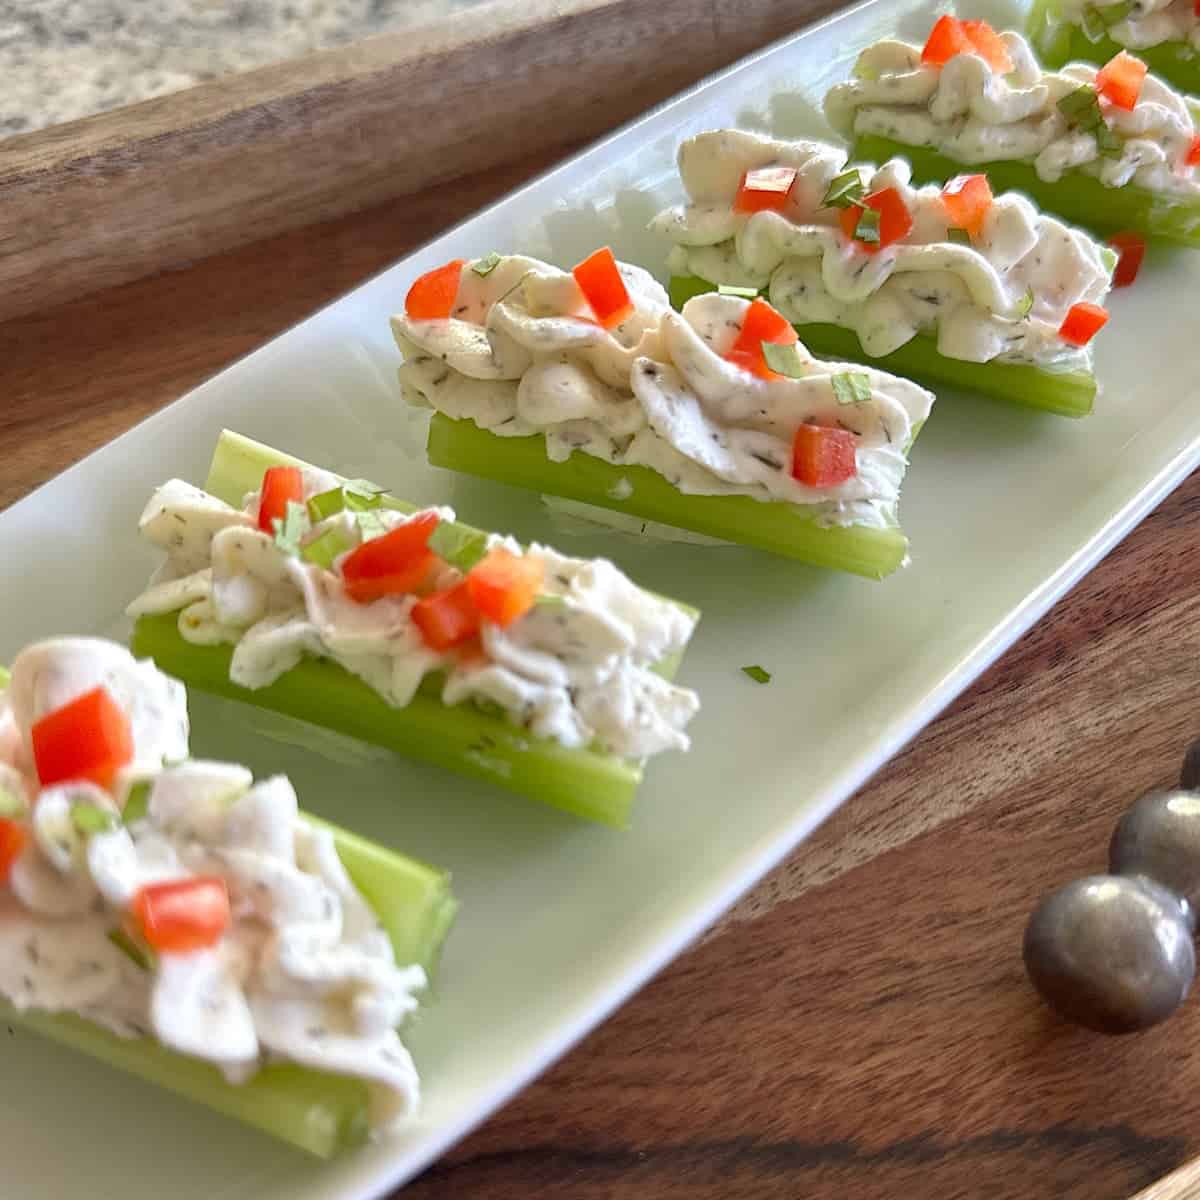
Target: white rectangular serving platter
[{"x": 561, "y": 921}]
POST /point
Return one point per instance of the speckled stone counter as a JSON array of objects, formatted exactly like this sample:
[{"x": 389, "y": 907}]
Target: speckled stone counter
[{"x": 63, "y": 59}]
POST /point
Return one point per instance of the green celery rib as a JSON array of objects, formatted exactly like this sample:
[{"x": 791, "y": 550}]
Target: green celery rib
[
  {"x": 1076, "y": 197},
  {"x": 1059, "y": 42},
  {"x": 463, "y": 738},
  {"x": 1068, "y": 393},
  {"x": 772, "y": 525},
  {"x": 313, "y": 1110}
]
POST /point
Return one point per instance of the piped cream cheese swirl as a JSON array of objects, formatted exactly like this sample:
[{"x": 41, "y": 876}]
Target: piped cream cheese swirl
[
  {"x": 656, "y": 392},
  {"x": 973, "y": 113},
  {"x": 1003, "y": 296}
]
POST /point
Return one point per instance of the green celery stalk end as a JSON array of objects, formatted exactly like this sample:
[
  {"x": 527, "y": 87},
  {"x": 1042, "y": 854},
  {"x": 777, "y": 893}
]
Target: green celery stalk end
[
  {"x": 316, "y": 1112},
  {"x": 772, "y": 526}
]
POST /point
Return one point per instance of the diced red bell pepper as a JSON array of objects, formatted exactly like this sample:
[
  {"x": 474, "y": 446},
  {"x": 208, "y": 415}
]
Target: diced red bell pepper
[
  {"x": 895, "y": 221},
  {"x": 503, "y": 585},
  {"x": 848, "y": 218},
  {"x": 1192, "y": 157},
  {"x": 950, "y": 36},
  {"x": 1120, "y": 80},
  {"x": 603, "y": 288},
  {"x": 1082, "y": 323},
  {"x": 1131, "y": 248},
  {"x": 765, "y": 189},
  {"x": 761, "y": 323},
  {"x": 89, "y": 738},
  {"x": 182, "y": 915},
  {"x": 823, "y": 457},
  {"x": 989, "y": 45},
  {"x": 393, "y": 564},
  {"x": 447, "y": 618},
  {"x": 13, "y": 839},
  {"x": 966, "y": 199},
  {"x": 432, "y": 296},
  {"x": 279, "y": 485},
  {"x": 946, "y": 39}
]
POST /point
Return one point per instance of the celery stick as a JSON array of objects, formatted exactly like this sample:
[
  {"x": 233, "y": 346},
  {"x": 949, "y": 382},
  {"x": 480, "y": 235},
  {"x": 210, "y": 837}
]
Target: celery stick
[
  {"x": 238, "y": 465},
  {"x": 1068, "y": 393},
  {"x": 768, "y": 525},
  {"x": 1058, "y": 42},
  {"x": 1079, "y": 198},
  {"x": 312, "y": 1110},
  {"x": 412, "y": 900},
  {"x": 464, "y": 738}
]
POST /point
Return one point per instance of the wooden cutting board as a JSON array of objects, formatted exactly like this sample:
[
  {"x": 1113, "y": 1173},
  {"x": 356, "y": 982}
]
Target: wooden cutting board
[{"x": 860, "y": 1025}]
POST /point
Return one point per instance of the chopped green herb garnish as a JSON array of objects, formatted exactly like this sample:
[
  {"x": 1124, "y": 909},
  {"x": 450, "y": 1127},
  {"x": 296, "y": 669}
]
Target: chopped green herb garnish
[
  {"x": 325, "y": 505},
  {"x": 746, "y": 293},
  {"x": 292, "y": 528},
  {"x": 355, "y": 494},
  {"x": 785, "y": 360},
  {"x": 1109, "y": 257},
  {"x": 370, "y": 524},
  {"x": 1081, "y": 107},
  {"x": 137, "y": 803},
  {"x": 758, "y": 674},
  {"x": 483, "y": 267},
  {"x": 845, "y": 189},
  {"x": 851, "y": 387},
  {"x": 960, "y": 237},
  {"x": 364, "y": 492},
  {"x": 89, "y": 818},
  {"x": 1082, "y": 111},
  {"x": 137, "y": 953},
  {"x": 1025, "y": 304},
  {"x": 11, "y": 805},
  {"x": 459, "y": 549},
  {"x": 867, "y": 229},
  {"x": 357, "y": 502},
  {"x": 326, "y": 546}
]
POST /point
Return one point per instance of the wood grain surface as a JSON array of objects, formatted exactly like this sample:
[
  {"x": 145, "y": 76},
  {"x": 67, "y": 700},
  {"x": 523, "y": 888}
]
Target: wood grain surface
[
  {"x": 860, "y": 1026},
  {"x": 110, "y": 198}
]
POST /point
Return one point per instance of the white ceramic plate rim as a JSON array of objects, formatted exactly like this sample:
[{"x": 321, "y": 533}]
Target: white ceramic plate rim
[{"x": 742, "y": 873}]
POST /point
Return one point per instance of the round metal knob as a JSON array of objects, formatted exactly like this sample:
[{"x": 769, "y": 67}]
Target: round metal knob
[{"x": 1111, "y": 952}]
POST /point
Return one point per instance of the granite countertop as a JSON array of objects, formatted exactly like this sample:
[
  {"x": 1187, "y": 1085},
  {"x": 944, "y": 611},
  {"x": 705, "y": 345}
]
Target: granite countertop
[{"x": 63, "y": 59}]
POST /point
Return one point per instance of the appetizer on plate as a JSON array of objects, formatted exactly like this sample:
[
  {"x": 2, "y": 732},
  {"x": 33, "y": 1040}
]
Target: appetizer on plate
[
  {"x": 948, "y": 285},
  {"x": 291, "y": 588},
  {"x": 183, "y": 923},
  {"x": 1112, "y": 148},
  {"x": 1165, "y": 34},
  {"x": 585, "y": 384}
]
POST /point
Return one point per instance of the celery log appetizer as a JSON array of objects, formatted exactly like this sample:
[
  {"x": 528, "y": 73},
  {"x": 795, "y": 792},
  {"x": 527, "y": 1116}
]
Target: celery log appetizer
[
  {"x": 586, "y": 385},
  {"x": 1112, "y": 148},
  {"x": 949, "y": 286},
  {"x": 325, "y": 599},
  {"x": 1165, "y": 34},
  {"x": 176, "y": 920}
]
